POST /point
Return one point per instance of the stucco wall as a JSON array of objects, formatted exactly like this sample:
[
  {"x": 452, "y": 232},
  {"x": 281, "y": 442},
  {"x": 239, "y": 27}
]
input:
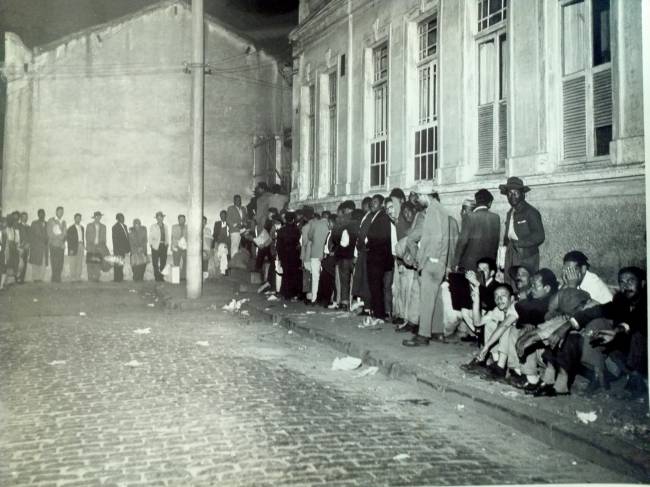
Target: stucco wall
[
  {"x": 596, "y": 205},
  {"x": 101, "y": 121}
]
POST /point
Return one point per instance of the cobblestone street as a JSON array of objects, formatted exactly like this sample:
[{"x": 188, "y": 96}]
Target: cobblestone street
[{"x": 102, "y": 385}]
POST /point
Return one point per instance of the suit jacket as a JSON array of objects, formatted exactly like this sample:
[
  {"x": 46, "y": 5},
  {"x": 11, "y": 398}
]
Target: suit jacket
[
  {"x": 100, "y": 248},
  {"x": 138, "y": 240},
  {"x": 479, "y": 238},
  {"x": 317, "y": 236},
  {"x": 379, "y": 241},
  {"x": 528, "y": 227},
  {"x": 38, "y": 254},
  {"x": 154, "y": 236},
  {"x": 56, "y": 232},
  {"x": 435, "y": 236},
  {"x": 73, "y": 239},
  {"x": 24, "y": 235},
  {"x": 121, "y": 245},
  {"x": 305, "y": 247},
  {"x": 220, "y": 233},
  {"x": 235, "y": 218}
]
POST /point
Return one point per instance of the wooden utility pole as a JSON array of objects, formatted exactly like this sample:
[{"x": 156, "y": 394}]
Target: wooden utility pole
[{"x": 195, "y": 223}]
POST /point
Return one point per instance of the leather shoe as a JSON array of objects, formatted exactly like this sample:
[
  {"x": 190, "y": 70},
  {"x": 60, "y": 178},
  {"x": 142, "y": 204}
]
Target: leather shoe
[{"x": 416, "y": 341}]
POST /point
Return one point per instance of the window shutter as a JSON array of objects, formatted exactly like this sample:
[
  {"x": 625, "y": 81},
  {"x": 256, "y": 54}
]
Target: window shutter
[
  {"x": 603, "y": 98},
  {"x": 574, "y": 118},
  {"x": 503, "y": 134},
  {"x": 485, "y": 137}
]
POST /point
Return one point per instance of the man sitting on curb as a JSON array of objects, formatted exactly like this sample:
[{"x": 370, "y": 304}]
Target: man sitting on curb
[{"x": 500, "y": 318}]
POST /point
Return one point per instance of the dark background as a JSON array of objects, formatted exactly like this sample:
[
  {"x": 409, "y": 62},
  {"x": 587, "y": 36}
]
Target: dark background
[{"x": 39, "y": 22}]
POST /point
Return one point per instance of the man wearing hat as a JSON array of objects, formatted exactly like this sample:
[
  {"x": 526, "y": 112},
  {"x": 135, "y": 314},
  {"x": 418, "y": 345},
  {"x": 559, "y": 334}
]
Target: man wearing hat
[
  {"x": 436, "y": 240},
  {"x": 524, "y": 231},
  {"x": 479, "y": 234},
  {"x": 95, "y": 246},
  {"x": 159, "y": 242}
]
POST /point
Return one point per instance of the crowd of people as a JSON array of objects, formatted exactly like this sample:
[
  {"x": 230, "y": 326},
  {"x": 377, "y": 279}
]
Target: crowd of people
[
  {"x": 398, "y": 260},
  {"x": 405, "y": 261}
]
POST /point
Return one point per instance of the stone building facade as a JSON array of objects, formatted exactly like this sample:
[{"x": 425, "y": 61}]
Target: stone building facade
[
  {"x": 101, "y": 120},
  {"x": 468, "y": 92}
]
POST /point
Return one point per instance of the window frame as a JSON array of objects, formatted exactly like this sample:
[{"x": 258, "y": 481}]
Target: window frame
[
  {"x": 379, "y": 96},
  {"x": 588, "y": 73},
  {"x": 333, "y": 113},
  {"x": 428, "y": 112},
  {"x": 497, "y": 34}
]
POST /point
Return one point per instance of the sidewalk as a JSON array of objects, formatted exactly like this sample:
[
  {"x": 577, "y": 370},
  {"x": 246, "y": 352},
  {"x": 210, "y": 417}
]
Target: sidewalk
[{"x": 618, "y": 439}]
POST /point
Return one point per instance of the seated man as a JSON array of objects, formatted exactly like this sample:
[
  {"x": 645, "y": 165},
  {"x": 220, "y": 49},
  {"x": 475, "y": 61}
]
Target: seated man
[
  {"x": 627, "y": 338},
  {"x": 520, "y": 275},
  {"x": 531, "y": 312},
  {"x": 498, "y": 319},
  {"x": 576, "y": 274}
]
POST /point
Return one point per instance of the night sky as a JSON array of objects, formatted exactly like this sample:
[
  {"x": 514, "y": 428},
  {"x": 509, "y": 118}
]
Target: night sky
[{"x": 39, "y": 22}]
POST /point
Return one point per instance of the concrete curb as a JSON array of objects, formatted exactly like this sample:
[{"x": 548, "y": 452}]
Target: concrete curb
[{"x": 554, "y": 430}]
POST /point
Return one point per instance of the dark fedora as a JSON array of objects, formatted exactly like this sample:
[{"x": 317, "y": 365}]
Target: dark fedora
[{"x": 513, "y": 183}]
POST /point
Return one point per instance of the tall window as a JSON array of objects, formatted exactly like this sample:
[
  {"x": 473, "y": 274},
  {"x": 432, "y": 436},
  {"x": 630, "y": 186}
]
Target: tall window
[
  {"x": 426, "y": 132},
  {"x": 378, "y": 144},
  {"x": 312, "y": 140},
  {"x": 492, "y": 86},
  {"x": 333, "y": 131},
  {"x": 586, "y": 79}
]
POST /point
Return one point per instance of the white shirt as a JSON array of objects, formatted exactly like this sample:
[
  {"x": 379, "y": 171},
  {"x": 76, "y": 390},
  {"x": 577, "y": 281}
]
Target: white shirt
[
  {"x": 96, "y": 233},
  {"x": 511, "y": 228},
  {"x": 596, "y": 288},
  {"x": 80, "y": 234}
]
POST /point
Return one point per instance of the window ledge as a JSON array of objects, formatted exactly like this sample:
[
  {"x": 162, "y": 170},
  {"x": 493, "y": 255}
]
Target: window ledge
[{"x": 490, "y": 172}]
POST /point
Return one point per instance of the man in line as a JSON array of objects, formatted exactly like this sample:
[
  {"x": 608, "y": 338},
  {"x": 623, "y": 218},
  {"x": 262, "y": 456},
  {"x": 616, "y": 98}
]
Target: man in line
[
  {"x": 121, "y": 246},
  {"x": 235, "y": 218},
  {"x": 76, "y": 246},
  {"x": 360, "y": 285},
  {"x": 220, "y": 241},
  {"x": 56, "y": 230},
  {"x": 159, "y": 242},
  {"x": 95, "y": 246},
  {"x": 179, "y": 245},
  {"x": 305, "y": 251},
  {"x": 479, "y": 234},
  {"x": 524, "y": 231},
  {"x": 344, "y": 239},
  {"x": 433, "y": 258},
  {"x": 205, "y": 248},
  {"x": 38, "y": 255},
  {"x": 317, "y": 236},
  {"x": 23, "y": 228}
]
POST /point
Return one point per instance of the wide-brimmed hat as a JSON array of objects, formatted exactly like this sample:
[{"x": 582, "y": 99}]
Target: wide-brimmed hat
[
  {"x": 513, "y": 183},
  {"x": 97, "y": 213}
]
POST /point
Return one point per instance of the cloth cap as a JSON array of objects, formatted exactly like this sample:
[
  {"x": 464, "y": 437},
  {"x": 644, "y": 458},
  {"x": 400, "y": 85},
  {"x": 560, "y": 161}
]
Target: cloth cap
[
  {"x": 513, "y": 183},
  {"x": 160, "y": 213}
]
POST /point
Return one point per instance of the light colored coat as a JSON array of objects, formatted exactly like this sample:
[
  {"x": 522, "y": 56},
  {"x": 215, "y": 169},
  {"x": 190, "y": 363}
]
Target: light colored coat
[
  {"x": 178, "y": 232},
  {"x": 317, "y": 235},
  {"x": 235, "y": 218},
  {"x": 56, "y": 233},
  {"x": 154, "y": 236}
]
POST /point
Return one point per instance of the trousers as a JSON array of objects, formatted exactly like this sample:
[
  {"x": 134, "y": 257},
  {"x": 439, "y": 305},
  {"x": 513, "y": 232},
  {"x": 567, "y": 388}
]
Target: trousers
[
  {"x": 158, "y": 261},
  {"x": 235, "y": 239},
  {"x": 222, "y": 258},
  {"x": 56, "y": 260},
  {"x": 314, "y": 267},
  {"x": 431, "y": 312},
  {"x": 76, "y": 264},
  {"x": 345, "y": 267}
]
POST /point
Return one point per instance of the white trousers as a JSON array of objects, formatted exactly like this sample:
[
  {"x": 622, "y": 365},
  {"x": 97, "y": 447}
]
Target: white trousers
[
  {"x": 222, "y": 257},
  {"x": 314, "y": 267},
  {"x": 235, "y": 239}
]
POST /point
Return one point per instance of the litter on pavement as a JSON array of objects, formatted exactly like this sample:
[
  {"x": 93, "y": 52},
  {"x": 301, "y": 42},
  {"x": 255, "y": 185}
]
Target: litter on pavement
[
  {"x": 35, "y": 300},
  {"x": 372, "y": 370},
  {"x": 587, "y": 418},
  {"x": 460, "y": 407},
  {"x": 234, "y": 305},
  {"x": 142, "y": 331},
  {"x": 132, "y": 290},
  {"x": 245, "y": 313},
  {"x": 310, "y": 312},
  {"x": 202, "y": 343},
  {"x": 346, "y": 363},
  {"x": 81, "y": 313},
  {"x": 133, "y": 363},
  {"x": 57, "y": 362},
  {"x": 272, "y": 297},
  {"x": 510, "y": 393},
  {"x": 151, "y": 305},
  {"x": 401, "y": 456}
]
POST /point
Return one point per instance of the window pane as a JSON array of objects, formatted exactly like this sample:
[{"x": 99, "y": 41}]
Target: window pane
[
  {"x": 603, "y": 138},
  {"x": 601, "y": 23},
  {"x": 573, "y": 37},
  {"x": 503, "y": 67},
  {"x": 486, "y": 72}
]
